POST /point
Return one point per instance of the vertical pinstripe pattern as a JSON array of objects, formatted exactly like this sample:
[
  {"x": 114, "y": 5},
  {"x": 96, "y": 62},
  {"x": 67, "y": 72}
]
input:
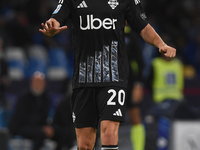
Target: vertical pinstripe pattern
[
  {"x": 106, "y": 70},
  {"x": 97, "y": 71},
  {"x": 114, "y": 61},
  {"x": 82, "y": 72},
  {"x": 90, "y": 64}
]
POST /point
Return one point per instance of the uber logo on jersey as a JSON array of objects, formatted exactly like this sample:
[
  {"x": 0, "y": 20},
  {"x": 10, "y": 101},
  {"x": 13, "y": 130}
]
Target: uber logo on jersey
[{"x": 96, "y": 23}]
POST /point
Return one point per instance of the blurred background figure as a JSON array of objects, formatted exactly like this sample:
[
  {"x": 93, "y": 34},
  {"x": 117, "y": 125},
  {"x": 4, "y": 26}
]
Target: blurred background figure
[
  {"x": 4, "y": 77},
  {"x": 166, "y": 82},
  {"x": 30, "y": 118},
  {"x": 31, "y": 111},
  {"x": 135, "y": 89},
  {"x": 4, "y": 83}
]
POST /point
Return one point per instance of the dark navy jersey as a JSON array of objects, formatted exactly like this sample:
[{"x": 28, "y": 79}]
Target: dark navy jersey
[{"x": 98, "y": 38}]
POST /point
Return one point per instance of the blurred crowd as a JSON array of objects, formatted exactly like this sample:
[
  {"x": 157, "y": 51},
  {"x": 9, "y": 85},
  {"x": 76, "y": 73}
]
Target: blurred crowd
[
  {"x": 21, "y": 19},
  {"x": 181, "y": 21},
  {"x": 24, "y": 48},
  {"x": 19, "y": 25}
]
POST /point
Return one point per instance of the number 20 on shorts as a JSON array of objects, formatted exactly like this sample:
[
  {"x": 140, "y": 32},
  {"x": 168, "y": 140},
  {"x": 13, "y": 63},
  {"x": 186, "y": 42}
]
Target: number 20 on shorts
[{"x": 120, "y": 94}]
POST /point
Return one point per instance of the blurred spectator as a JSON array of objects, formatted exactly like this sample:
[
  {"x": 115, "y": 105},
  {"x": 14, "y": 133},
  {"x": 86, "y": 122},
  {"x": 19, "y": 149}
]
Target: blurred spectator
[
  {"x": 30, "y": 116},
  {"x": 166, "y": 81},
  {"x": 4, "y": 77},
  {"x": 135, "y": 89},
  {"x": 31, "y": 112}
]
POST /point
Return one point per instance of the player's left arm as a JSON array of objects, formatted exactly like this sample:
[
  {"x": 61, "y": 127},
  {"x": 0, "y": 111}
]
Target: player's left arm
[{"x": 152, "y": 38}]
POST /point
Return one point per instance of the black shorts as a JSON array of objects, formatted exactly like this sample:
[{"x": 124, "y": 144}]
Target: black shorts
[{"x": 93, "y": 104}]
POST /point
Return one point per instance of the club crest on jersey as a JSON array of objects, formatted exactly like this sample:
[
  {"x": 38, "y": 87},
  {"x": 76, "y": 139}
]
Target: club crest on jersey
[{"x": 113, "y": 3}]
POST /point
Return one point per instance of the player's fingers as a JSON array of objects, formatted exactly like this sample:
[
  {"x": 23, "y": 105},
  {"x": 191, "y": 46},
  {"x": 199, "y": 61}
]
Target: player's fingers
[
  {"x": 60, "y": 29},
  {"x": 53, "y": 24},
  {"x": 44, "y": 32},
  {"x": 63, "y": 28},
  {"x": 41, "y": 30},
  {"x": 162, "y": 50},
  {"x": 174, "y": 54},
  {"x": 44, "y": 26},
  {"x": 167, "y": 54},
  {"x": 49, "y": 24},
  {"x": 171, "y": 54}
]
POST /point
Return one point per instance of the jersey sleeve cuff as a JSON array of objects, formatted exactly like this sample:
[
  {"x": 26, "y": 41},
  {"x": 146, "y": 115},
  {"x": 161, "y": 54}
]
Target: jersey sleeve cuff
[{"x": 61, "y": 21}]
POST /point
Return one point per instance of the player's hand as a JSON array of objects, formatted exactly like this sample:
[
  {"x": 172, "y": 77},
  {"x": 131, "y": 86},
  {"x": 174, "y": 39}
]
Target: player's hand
[
  {"x": 137, "y": 93},
  {"x": 168, "y": 51},
  {"x": 52, "y": 27}
]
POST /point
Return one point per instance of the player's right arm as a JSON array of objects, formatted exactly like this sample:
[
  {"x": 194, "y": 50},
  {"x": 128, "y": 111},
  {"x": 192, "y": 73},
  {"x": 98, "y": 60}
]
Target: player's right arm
[
  {"x": 57, "y": 22},
  {"x": 52, "y": 27},
  {"x": 136, "y": 20}
]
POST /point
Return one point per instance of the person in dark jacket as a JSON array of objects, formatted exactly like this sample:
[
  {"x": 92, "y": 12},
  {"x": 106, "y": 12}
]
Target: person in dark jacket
[{"x": 31, "y": 111}]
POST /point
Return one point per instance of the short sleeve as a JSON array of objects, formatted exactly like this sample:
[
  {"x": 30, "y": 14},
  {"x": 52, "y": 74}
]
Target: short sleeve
[
  {"x": 135, "y": 16},
  {"x": 62, "y": 12}
]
